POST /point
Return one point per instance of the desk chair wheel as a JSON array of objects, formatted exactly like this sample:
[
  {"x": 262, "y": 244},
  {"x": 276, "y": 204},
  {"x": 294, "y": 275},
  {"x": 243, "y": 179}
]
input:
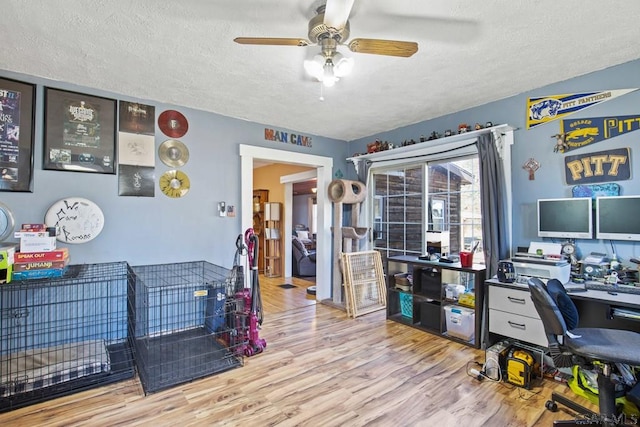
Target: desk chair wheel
[{"x": 551, "y": 405}]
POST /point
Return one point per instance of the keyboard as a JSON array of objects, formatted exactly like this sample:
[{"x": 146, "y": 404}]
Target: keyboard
[
  {"x": 524, "y": 280},
  {"x": 623, "y": 289}
]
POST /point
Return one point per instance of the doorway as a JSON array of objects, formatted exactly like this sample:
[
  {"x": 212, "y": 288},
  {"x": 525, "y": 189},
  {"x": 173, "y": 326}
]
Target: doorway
[{"x": 323, "y": 171}]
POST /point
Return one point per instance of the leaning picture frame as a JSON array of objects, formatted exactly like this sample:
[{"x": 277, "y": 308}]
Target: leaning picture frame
[
  {"x": 79, "y": 132},
  {"x": 17, "y": 124}
]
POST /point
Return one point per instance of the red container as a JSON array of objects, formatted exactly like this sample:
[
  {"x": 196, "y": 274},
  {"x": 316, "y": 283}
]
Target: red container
[{"x": 466, "y": 259}]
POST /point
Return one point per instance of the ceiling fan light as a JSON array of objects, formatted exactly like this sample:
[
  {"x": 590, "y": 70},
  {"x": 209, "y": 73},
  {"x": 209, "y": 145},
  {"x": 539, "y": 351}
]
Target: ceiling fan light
[
  {"x": 315, "y": 67},
  {"x": 342, "y": 66},
  {"x": 329, "y": 82},
  {"x": 329, "y": 77}
]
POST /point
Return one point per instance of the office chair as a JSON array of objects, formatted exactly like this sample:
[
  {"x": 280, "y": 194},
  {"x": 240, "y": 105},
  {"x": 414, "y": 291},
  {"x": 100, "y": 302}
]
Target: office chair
[{"x": 583, "y": 346}]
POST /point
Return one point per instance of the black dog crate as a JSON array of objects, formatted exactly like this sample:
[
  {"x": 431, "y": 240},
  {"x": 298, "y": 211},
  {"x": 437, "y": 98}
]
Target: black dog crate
[
  {"x": 64, "y": 335},
  {"x": 178, "y": 323}
]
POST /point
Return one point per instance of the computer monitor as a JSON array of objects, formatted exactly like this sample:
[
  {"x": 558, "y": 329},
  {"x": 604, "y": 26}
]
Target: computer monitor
[
  {"x": 618, "y": 217},
  {"x": 568, "y": 218}
]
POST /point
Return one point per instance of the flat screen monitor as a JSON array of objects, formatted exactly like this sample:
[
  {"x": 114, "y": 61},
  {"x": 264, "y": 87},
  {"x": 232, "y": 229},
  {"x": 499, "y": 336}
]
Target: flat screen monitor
[
  {"x": 569, "y": 218},
  {"x": 618, "y": 218}
]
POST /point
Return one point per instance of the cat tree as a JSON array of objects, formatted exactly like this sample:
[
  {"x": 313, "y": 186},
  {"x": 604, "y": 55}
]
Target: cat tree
[{"x": 345, "y": 238}]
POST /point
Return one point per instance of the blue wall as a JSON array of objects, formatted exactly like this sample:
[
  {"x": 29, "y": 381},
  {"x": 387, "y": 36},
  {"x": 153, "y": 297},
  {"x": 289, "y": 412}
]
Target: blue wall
[
  {"x": 159, "y": 229},
  {"x": 537, "y": 143},
  {"x": 150, "y": 230}
]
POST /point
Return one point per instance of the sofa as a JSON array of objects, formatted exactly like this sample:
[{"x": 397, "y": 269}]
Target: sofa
[
  {"x": 304, "y": 261},
  {"x": 302, "y": 232}
]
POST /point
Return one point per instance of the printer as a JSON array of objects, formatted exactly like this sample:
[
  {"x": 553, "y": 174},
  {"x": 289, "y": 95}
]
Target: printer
[
  {"x": 534, "y": 263},
  {"x": 543, "y": 269}
]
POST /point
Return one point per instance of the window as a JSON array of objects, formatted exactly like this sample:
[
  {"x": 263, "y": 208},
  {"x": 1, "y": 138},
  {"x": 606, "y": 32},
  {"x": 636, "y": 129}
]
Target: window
[
  {"x": 453, "y": 199},
  {"x": 313, "y": 214},
  {"x": 433, "y": 207},
  {"x": 398, "y": 228}
]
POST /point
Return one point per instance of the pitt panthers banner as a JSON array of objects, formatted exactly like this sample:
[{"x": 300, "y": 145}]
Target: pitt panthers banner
[
  {"x": 543, "y": 109},
  {"x": 582, "y": 132},
  {"x": 603, "y": 166}
]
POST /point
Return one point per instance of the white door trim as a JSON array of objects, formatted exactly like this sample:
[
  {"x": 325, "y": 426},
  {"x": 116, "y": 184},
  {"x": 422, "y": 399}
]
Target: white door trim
[{"x": 324, "y": 167}]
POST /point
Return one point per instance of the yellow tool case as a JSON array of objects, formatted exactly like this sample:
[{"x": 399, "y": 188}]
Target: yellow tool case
[{"x": 519, "y": 368}]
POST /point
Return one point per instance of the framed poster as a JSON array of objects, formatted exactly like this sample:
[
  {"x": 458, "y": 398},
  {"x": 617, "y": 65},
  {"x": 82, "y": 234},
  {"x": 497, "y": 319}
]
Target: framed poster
[
  {"x": 17, "y": 121},
  {"x": 79, "y": 132}
]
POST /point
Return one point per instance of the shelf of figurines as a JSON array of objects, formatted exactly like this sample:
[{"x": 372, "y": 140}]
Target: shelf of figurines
[
  {"x": 378, "y": 146},
  {"x": 395, "y": 152}
]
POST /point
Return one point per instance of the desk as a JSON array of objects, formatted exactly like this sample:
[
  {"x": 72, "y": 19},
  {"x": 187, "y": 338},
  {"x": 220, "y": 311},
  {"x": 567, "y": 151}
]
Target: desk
[{"x": 511, "y": 312}]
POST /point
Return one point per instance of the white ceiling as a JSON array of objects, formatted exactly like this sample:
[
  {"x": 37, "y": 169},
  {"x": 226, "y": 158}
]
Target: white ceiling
[{"x": 182, "y": 52}]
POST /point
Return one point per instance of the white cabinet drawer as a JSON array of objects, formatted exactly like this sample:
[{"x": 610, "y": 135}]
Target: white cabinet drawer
[
  {"x": 522, "y": 328},
  {"x": 512, "y": 301}
]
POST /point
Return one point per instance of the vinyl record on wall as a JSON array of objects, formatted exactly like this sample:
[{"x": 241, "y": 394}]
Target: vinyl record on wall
[
  {"x": 174, "y": 183},
  {"x": 173, "y": 153},
  {"x": 173, "y": 124}
]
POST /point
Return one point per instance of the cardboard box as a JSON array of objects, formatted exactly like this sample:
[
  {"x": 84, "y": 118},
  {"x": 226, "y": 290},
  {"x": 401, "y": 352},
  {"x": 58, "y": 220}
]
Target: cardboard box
[
  {"x": 37, "y": 243},
  {"x": 47, "y": 273},
  {"x": 6, "y": 274},
  {"x": 467, "y": 299},
  {"x": 49, "y": 232},
  {"x": 56, "y": 255},
  {"x": 33, "y": 227},
  {"x": 7, "y": 257},
  {"x": 39, "y": 265},
  {"x": 21, "y": 234},
  {"x": 438, "y": 242}
]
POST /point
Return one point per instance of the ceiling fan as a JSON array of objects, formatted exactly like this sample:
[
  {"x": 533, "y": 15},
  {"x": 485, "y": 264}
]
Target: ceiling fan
[{"x": 329, "y": 29}]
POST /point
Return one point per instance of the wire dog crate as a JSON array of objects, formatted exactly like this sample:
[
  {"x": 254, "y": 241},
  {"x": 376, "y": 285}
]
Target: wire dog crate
[
  {"x": 178, "y": 323},
  {"x": 61, "y": 336}
]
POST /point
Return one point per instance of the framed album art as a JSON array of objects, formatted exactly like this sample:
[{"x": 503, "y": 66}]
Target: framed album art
[
  {"x": 136, "y": 180},
  {"x": 79, "y": 132},
  {"x": 17, "y": 121}
]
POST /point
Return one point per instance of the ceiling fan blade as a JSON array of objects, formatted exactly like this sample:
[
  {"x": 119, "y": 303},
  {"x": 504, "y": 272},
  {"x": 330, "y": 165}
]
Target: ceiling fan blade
[
  {"x": 434, "y": 28},
  {"x": 272, "y": 41},
  {"x": 384, "y": 47},
  {"x": 336, "y": 13}
]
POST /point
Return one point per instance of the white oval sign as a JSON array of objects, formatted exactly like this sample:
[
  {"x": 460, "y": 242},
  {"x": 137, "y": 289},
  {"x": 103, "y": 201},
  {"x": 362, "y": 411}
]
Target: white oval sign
[{"x": 79, "y": 220}]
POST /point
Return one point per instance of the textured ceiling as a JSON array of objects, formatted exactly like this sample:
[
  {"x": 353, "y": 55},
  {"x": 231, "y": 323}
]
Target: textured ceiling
[{"x": 182, "y": 52}]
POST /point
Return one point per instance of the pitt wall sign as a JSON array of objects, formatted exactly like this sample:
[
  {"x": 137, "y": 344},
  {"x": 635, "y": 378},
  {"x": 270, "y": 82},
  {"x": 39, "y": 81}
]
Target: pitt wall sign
[
  {"x": 602, "y": 166},
  {"x": 581, "y": 132},
  {"x": 543, "y": 109},
  {"x": 286, "y": 137}
]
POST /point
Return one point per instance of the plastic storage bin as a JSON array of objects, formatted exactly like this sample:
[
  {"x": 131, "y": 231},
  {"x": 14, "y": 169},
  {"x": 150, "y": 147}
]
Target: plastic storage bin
[{"x": 460, "y": 322}]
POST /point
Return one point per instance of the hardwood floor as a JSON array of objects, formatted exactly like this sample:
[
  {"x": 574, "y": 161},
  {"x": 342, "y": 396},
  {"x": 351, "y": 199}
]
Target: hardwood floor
[{"x": 320, "y": 368}]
